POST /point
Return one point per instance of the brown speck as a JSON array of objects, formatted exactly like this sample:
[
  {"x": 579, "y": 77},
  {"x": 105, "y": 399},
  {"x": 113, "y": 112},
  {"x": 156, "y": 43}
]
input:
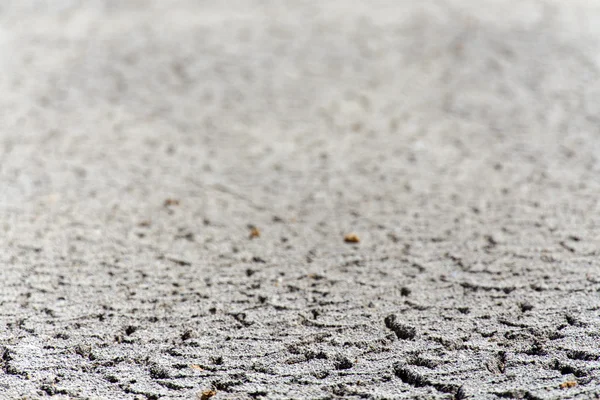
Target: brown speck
[
  {"x": 351, "y": 238},
  {"x": 254, "y": 232},
  {"x": 568, "y": 384},
  {"x": 171, "y": 202},
  {"x": 207, "y": 394},
  {"x": 197, "y": 367},
  {"x": 144, "y": 224}
]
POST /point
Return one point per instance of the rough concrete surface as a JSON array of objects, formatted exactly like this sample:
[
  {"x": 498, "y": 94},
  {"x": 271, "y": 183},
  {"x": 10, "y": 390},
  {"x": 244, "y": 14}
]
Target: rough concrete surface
[{"x": 177, "y": 178}]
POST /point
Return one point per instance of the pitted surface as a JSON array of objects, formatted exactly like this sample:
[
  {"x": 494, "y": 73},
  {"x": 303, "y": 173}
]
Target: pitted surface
[{"x": 140, "y": 142}]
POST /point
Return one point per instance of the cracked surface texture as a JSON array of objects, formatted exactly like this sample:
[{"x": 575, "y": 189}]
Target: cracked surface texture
[{"x": 142, "y": 141}]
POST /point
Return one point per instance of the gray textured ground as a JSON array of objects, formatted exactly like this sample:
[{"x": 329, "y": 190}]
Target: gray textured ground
[{"x": 458, "y": 139}]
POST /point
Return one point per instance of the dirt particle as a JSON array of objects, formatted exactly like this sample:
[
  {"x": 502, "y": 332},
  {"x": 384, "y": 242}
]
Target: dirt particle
[
  {"x": 351, "y": 238},
  {"x": 254, "y": 232},
  {"x": 206, "y": 394},
  {"x": 171, "y": 202},
  {"x": 568, "y": 384}
]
